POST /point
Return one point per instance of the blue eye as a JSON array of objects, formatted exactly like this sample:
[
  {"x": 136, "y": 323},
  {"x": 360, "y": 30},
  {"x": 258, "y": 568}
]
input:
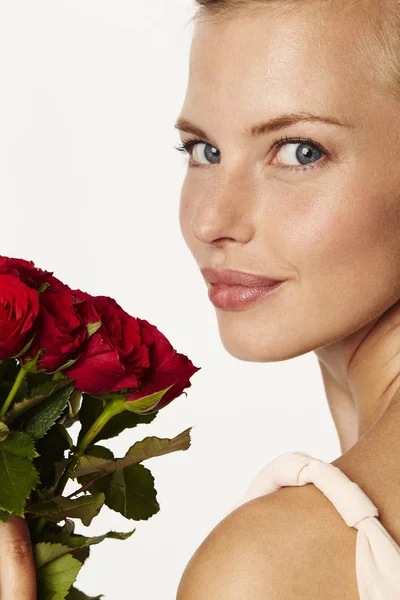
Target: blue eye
[
  {"x": 307, "y": 151},
  {"x": 211, "y": 153}
]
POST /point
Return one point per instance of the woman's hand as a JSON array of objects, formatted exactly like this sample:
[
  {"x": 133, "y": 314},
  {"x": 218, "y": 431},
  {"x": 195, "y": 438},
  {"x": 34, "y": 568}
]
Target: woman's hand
[{"x": 17, "y": 567}]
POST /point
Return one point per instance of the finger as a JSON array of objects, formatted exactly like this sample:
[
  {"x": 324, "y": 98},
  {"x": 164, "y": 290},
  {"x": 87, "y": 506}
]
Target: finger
[{"x": 17, "y": 567}]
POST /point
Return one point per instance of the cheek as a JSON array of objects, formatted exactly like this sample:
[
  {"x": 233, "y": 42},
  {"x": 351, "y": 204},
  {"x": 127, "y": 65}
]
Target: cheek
[{"x": 346, "y": 248}]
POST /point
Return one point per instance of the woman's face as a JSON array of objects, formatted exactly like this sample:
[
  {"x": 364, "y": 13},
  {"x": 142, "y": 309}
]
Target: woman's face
[{"x": 322, "y": 214}]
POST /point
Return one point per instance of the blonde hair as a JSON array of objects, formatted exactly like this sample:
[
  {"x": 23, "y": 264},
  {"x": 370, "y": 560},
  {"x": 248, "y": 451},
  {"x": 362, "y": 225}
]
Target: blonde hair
[{"x": 378, "y": 40}]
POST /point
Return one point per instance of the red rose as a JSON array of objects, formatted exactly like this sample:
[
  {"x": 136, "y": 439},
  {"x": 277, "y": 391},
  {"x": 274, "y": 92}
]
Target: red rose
[
  {"x": 62, "y": 326},
  {"x": 114, "y": 357},
  {"x": 167, "y": 367},
  {"x": 28, "y": 273},
  {"x": 19, "y": 308}
]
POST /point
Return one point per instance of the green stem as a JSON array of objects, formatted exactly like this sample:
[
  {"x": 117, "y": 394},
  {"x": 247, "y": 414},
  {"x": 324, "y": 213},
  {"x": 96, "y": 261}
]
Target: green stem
[
  {"x": 112, "y": 408},
  {"x": 19, "y": 379}
]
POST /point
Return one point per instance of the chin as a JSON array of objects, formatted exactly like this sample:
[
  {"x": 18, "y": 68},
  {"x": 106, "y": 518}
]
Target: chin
[
  {"x": 244, "y": 347},
  {"x": 265, "y": 339}
]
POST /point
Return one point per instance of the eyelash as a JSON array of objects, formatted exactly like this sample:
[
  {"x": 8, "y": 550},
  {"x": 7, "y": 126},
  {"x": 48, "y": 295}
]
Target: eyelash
[{"x": 276, "y": 144}]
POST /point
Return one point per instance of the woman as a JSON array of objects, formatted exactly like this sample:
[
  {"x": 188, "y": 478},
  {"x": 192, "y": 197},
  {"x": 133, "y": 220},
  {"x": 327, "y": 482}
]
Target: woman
[
  {"x": 17, "y": 569},
  {"x": 292, "y": 125}
]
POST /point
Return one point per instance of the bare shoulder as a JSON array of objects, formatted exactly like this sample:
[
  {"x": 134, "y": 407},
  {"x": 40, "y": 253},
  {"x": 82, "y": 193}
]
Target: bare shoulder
[{"x": 291, "y": 544}]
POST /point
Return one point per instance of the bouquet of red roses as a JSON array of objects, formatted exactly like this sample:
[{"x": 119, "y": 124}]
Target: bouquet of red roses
[{"x": 66, "y": 357}]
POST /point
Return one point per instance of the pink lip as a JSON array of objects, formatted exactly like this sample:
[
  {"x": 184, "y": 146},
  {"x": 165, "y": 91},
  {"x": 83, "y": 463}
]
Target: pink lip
[
  {"x": 238, "y": 278},
  {"x": 238, "y": 297}
]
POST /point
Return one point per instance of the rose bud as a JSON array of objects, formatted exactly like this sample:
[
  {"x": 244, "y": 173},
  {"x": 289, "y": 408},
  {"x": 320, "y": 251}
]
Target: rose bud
[
  {"x": 114, "y": 357},
  {"x": 63, "y": 322},
  {"x": 167, "y": 368},
  {"x": 19, "y": 309},
  {"x": 26, "y": 271}
]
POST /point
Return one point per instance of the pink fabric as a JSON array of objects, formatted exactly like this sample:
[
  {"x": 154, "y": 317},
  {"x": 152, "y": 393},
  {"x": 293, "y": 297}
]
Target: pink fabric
[{"x": 377, "y": 553}]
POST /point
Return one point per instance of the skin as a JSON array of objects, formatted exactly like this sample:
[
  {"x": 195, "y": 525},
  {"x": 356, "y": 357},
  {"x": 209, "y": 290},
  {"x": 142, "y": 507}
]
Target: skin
[
  {"x": 332, "y": 232},
  {"x": 17, "y": 568}
]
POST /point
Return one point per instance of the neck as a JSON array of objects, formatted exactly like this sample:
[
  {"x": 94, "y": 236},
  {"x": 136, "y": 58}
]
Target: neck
[
  {"x": 362, "y": 381},
  {"x": 361, "y": 376}
]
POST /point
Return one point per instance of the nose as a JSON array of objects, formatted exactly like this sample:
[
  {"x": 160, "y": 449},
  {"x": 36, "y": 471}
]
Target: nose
[{"x": 224, "y": 214}]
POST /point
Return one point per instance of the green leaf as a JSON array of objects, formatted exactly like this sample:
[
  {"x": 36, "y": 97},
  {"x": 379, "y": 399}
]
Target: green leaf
[
  {"x": 43, "y": 385},
  {"x": 55, "y": 577},
  {"x": 147, "y": 448},
  {"x": 48, "y": 386},
  {"x": 39, "y": 392},
  {"x": 21, "y": 392},
  {"x": 44, "y": 287},
  {"x": 18, "y": 475},
  {"x": 91, "y": 409},
  {"x": 74, "y": 403},
  {"x": 92, "y": 328},
  {"x": 81, "y": 554},
  {"x": 101, "y": 452},
  {"x": 130, "y": 492},
  {"x": 38, "y": 420},
  {"x": 79, "y": 545},
  {"x": 45, "y": 552},
  {"x": 147, "y": 403},
  {"x": 59, "y": 468},
  {"x": 66, "y": 365},
  {"x": 51, "y": 449},
  {"x": 80, "y": 541},
  {"x": 75, "y": 594},
  {"x": 19, "y": 444},
  {"x": 84, "y": 508},
  {"x": 5, "y": 515}
]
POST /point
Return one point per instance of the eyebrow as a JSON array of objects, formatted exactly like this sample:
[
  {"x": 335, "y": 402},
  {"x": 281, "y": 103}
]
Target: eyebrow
[{"x": 265, "y": 127}]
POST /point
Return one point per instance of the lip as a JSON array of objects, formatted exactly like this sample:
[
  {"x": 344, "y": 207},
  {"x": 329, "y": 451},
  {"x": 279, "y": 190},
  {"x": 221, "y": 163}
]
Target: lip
[
  {"x": 230, "y": 277},
  {"x": 239, "y": 297}
]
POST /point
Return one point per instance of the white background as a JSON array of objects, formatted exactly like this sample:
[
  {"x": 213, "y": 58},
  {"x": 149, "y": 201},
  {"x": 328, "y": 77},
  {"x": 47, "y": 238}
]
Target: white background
[{"x": 90, "y": 185}]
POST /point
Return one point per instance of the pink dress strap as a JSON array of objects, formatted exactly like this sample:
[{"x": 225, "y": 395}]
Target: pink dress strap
[{"x": 377, "y": 553}]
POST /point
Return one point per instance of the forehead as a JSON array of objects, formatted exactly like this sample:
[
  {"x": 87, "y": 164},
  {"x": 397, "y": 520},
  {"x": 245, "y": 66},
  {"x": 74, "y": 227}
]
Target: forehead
[{"x": 292, "y": 59}]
